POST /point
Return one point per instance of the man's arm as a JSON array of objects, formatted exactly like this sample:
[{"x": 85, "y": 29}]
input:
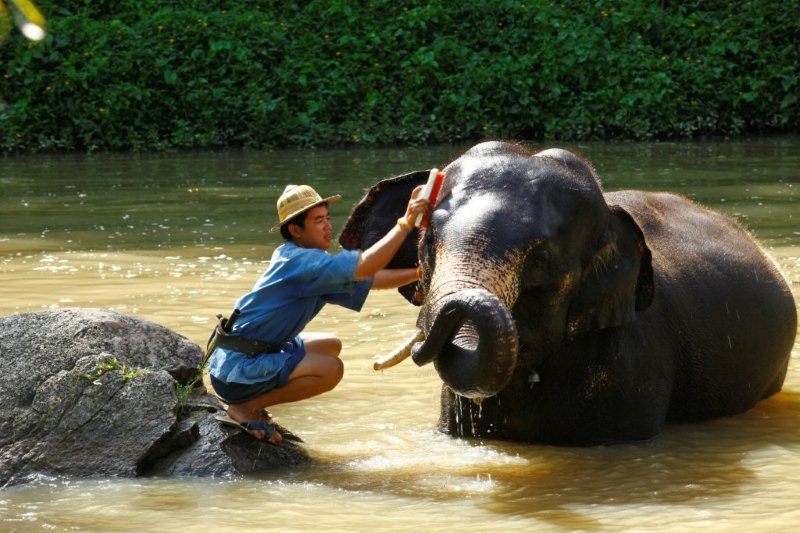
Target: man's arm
[
  {"x": 377, "y": 256},
  {"x": 390, "y": 278}
]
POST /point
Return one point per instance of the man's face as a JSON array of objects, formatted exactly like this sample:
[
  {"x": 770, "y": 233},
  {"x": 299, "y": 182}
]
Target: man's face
[{"x": 318, "y": 231}]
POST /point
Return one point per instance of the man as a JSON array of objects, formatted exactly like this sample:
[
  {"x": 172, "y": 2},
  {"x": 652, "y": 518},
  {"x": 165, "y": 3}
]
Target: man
[{"x": 266, "y": 360}]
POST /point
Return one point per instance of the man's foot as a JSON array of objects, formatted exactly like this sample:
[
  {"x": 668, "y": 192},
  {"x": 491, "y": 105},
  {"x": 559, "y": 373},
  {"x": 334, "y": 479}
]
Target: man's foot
[
  {"x": 261, "y": 416},
  {"x": 264, "y": 412},
  {"x": 258, "y": 429}
]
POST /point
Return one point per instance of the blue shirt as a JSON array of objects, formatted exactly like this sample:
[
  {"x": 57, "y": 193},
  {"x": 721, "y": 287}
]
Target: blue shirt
[{"x": 288, "y": 295}]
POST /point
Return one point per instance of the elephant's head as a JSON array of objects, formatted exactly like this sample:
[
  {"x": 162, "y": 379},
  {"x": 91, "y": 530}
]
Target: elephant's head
[{"x": 521, "y": 250}]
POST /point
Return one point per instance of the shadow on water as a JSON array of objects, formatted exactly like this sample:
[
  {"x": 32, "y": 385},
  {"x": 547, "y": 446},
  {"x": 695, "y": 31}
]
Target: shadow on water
[{"x": 684, "y": 465}]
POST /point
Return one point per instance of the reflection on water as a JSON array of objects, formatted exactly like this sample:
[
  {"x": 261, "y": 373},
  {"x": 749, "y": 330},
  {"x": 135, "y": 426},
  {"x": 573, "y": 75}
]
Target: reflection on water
[{"x": 176, "y": 239}]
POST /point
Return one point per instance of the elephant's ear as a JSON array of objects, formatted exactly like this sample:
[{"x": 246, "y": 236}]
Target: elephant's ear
[
  {"x": 618, "y": 282},
  {"x": 375, "y": 215}
]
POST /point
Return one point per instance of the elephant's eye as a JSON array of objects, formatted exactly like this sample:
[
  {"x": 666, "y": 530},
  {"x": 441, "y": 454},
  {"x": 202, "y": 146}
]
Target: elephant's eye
[
  {"x": 539, "y": 256},
  {"x": 429, "y": 236},
  {"x": 538, "y": 267},
  {"x": 425, "y": 250}
]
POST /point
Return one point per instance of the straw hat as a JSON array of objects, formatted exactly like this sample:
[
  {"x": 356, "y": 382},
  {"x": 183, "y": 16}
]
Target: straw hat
[{"x": 297, "y": 199}]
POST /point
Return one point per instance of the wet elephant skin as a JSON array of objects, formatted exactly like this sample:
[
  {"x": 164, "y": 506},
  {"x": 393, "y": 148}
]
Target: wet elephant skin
[{"x": 558, "y": 313}]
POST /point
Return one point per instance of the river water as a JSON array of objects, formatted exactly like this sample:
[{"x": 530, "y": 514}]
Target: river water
[{"x": 177, "y": 238}]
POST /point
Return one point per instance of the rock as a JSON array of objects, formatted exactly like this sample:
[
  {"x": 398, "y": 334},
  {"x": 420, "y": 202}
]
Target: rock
[{"x": 90, "y": 392}]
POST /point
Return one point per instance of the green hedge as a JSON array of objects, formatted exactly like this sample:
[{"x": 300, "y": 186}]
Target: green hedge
[{"x": 151, "y": 74}]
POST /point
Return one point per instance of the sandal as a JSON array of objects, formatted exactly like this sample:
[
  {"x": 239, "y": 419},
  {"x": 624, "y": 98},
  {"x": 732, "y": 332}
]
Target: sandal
[
  {"x": 253, "y": 426},
  {"x": 264, "y": 411}
]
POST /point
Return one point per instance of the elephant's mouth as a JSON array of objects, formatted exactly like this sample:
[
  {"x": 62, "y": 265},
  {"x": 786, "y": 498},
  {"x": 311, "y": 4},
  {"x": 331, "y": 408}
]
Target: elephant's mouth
[{"x": 472, "y": 340}]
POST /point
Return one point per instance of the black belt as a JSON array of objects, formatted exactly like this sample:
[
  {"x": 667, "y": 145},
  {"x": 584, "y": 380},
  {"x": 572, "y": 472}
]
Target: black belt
[
  {"x": 246, "y": 346},
  {"x": 221, "y": 337}
]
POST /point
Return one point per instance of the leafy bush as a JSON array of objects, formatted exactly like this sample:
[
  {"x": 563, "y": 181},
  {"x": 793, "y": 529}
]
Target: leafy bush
[{"x": 148, "y": 74}]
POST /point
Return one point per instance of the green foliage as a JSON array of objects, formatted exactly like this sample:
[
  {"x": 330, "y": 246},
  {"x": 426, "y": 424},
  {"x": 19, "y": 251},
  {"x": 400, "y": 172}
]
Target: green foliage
[
  {"x": 111, "y": 365},
  {"x": 184, "y": 390},
  {"x": 128, "y": 75},
  {"x": 102, "y": 368}
]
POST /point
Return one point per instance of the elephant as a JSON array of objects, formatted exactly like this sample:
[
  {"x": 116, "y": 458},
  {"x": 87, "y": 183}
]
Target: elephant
[{"x": 557, "y": 313}]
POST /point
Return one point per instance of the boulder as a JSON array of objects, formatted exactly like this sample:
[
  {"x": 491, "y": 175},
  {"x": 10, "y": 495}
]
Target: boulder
[{"x": 91, "y": 392}]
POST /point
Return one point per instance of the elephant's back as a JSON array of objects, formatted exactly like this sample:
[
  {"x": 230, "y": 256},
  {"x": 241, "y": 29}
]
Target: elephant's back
[
  {"x": 729, "y": 308},
  {"x": 687, "y": 239},
  {"x": 701, "y": 250},
  {"x": 668, "y": 219}
]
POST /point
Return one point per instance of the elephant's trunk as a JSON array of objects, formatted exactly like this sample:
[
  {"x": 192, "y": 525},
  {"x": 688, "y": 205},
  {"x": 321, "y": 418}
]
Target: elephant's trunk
[{"x": 473, "y": 341}]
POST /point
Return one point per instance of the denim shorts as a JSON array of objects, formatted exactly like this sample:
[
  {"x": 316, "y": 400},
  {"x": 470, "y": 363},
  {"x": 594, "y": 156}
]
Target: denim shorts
[{"x": 241, "y": 392}]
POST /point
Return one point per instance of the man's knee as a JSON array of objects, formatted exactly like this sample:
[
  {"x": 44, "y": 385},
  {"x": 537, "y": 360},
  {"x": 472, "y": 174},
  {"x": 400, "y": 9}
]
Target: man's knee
[
  {"x": 336, "y": 372},
  {"x": 324, "y": 343},
  {"x": 330, "y": 345},
  {"x": 336, "y": 346},
  {"x": 328, "y": 374}
]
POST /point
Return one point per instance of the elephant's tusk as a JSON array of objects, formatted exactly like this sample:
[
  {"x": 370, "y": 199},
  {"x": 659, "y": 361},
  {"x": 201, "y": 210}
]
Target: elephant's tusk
[{"x": 399, "y": 353}]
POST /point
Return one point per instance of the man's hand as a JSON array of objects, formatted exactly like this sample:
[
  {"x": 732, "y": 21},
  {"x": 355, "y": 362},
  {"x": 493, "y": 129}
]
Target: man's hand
[
  {"x": 377, "y": 256},
  {"x": 416, "y": 206}
]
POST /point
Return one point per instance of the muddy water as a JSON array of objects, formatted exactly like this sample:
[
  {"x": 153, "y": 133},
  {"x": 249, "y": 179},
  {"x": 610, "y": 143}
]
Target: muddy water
[{"x": 176, "y": 239}]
